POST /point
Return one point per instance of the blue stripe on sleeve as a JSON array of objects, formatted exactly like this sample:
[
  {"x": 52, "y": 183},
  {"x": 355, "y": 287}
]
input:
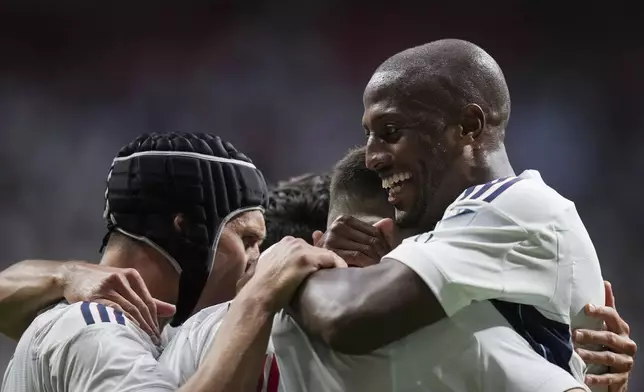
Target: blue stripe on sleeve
[
  {"x": 87, "y": 314},
  {"x": 119, "y": 317},
  {"x": 501, "y": 189},
  {"x": 102, "y": 311}
]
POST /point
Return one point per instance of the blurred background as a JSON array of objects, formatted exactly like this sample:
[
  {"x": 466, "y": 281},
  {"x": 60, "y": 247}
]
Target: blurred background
[{"x": 283, "y": 81}]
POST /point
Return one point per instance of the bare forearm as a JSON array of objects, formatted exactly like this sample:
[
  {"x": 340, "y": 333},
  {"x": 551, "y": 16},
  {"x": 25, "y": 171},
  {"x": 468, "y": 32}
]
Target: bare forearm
[
  {"x": 26, "y": 288},
  {"x": 235, "y": 359},
  {"x": 357, "y": 310}
]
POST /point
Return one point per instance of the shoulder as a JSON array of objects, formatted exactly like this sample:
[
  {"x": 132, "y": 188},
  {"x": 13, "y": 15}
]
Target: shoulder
[
  {"x": 205, "y": 319},
  {"x": 194, "y": 337},
  {"x": 81, "y": 315},
  {"x": 522, "y": 200},
  {"x": 70, "y": 322}
]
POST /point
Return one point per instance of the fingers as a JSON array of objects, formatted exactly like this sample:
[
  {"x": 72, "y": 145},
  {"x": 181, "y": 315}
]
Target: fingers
[
  {"x": 337, "y": 261},
  {"x": 342, "y": 244},
  {"x": 386, "y": 227},
  {"x": 117, "y": 301},
  {"x": 164, "y": 309},
  {"x": 606, "y": 379},
  {"x": 348, "y": 233},
  {"x": 136, "y": 292},
  {"x": 608, "y": 293},
  {"x": 355, "y": 258},
  {"x": 614, "y": 322},
  {"x": 132, "y": 304},
  {"x": 617, "y": 343},
  {"x": 374, "y": 234},
  {"x": 138, "y": 286},
  {"x": 317, "y": 237},
  {"x": 618, "y": 362}
]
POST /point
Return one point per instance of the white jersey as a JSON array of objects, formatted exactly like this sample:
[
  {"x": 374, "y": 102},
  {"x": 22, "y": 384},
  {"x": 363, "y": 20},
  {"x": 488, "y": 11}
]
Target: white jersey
[
  {"x": 190, "y": 345},
  {"x": 512, "y": 266},
  {"x": 82, "y": 347}
]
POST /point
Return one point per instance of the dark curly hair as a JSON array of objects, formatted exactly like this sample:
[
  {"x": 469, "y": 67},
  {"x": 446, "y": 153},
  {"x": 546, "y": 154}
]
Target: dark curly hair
[{"x": 297, "y": 207}]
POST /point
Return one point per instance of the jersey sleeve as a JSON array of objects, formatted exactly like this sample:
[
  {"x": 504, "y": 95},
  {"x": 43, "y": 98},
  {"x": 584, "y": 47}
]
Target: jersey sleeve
[
  {"x": 510, "y": 364},
  {"x": 486, "y": 248},
  {"x": 99, "y": 356}
]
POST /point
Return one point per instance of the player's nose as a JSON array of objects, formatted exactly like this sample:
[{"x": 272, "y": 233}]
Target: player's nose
[{"x": 377, "y": 157}]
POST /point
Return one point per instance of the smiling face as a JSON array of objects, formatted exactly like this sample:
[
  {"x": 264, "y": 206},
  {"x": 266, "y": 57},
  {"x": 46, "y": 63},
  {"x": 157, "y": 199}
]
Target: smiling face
[{"x": 409, "y": 145}]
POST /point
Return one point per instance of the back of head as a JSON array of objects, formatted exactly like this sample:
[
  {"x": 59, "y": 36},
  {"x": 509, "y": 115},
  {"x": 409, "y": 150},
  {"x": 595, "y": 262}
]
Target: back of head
[
  {"x": 357, "y": 191},
  {"x": 297, "y": 208},
  {"x": 450, "y": 74},
  {"x": 204, "y": 179}
]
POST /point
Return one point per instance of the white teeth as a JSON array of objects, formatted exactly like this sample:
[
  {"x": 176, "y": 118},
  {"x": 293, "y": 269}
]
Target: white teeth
[{"x": 395, "y": 178}]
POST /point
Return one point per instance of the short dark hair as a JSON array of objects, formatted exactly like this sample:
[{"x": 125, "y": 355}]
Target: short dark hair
[
  {"x": 297, "y": 208},
  {"x": 354, "y": 188},
  {"x": 350, "y": 176}
]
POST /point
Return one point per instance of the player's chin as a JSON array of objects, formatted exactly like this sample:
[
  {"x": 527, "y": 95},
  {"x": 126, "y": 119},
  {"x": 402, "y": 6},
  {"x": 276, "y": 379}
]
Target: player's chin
[
  {"x": 407, "y": 217},
  {"x": 405, "y": 200}
]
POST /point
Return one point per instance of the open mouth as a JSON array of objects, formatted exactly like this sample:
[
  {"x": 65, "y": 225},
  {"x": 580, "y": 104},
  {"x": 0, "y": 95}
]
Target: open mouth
[{"x": 395, "y": 185}]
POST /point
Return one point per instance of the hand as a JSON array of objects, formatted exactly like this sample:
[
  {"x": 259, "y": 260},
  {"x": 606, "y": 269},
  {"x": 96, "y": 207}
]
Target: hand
[
  {"x": 616, "y": 339},
  {"x": 120, "y": 288},
  {"x": 283, "y": 267},
  {"x": 358, "y": 243}
]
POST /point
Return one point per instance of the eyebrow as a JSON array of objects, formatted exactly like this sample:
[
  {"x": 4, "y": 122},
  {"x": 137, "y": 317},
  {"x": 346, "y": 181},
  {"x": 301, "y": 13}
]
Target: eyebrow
[{"x": 257, "y": 232}]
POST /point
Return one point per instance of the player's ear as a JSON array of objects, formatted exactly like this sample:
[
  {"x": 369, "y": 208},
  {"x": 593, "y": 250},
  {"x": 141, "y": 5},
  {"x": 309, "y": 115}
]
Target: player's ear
[{"x": 472, "y": 122}]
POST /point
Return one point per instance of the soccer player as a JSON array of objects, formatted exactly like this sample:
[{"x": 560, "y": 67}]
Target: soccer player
[
  {"x": 181, "y": 209},
  {"x": 489, "y": 293},
  {"x": 354, "y": 191},
  {"x": 296, "y": 207}
]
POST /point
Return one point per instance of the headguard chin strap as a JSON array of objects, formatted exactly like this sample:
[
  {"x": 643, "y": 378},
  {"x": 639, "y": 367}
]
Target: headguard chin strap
[{"x": 147, "y": 189}]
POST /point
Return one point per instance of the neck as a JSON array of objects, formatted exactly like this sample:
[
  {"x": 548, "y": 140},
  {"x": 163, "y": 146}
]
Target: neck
[
  {"x": 490, "y": 165},
  {"x": 159, "y": 277},
  {"x": 483, "y": 166}
]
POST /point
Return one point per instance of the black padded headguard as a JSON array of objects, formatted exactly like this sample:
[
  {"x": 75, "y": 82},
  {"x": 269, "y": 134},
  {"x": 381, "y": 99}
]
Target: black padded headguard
[{"x": 158, "y": 176}]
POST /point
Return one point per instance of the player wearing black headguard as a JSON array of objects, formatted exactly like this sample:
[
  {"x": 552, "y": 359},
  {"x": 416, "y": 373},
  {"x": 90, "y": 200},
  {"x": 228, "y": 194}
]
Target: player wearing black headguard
[{"x": 183, "y": 210}]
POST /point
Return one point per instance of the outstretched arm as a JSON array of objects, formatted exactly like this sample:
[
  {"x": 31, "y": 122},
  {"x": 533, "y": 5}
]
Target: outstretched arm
[
  {"x": 388, "y": 300},
  {"x": 29, "y": 286},
  {"x": 25, "y": 289},
  {"x": 423, "y": 280}
]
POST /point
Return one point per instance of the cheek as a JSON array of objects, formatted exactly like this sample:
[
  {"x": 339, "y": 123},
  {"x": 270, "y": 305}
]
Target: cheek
[{"x": 231, "y": 258}]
